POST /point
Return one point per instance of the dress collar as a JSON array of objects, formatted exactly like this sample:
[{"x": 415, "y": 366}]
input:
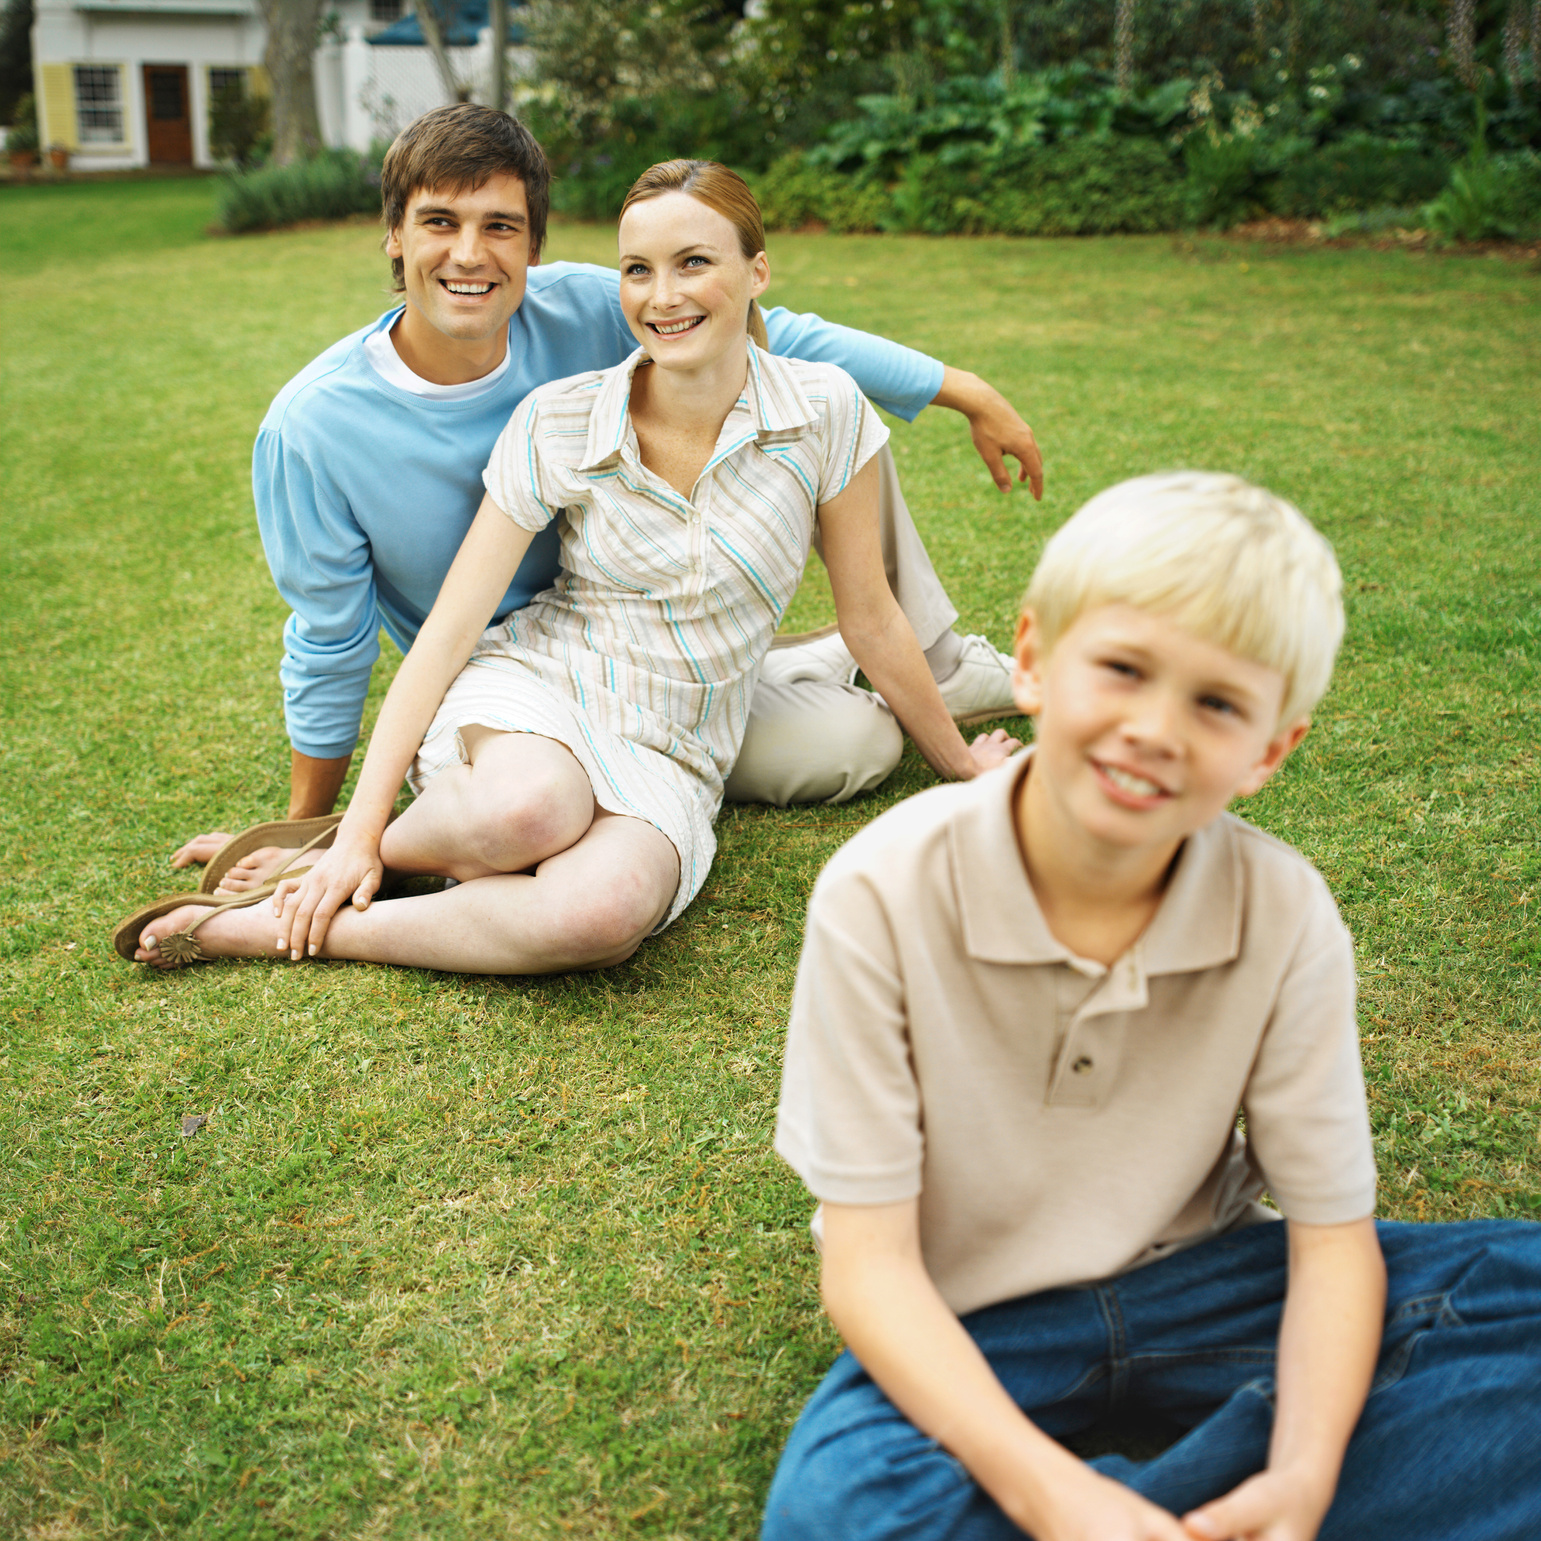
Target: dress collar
[{"x": 773, "y": 398}]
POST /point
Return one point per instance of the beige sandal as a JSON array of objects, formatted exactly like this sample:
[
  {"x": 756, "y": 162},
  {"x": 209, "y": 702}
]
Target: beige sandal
[
  {"x": 180, "y": 947},
  {"x": 307, "y": 834}
]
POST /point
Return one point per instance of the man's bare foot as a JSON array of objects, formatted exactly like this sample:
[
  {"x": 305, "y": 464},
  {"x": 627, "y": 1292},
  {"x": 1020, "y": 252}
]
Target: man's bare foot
[
  {"x": 254, "y": 870},
  {"x": 247, "y": 933},
  {"x": 199, "y": 850}
]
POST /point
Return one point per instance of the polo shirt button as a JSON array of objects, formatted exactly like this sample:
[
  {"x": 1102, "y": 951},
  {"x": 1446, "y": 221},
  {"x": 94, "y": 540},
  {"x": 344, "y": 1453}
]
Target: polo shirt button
[{"x": 1082, "y": 1065}]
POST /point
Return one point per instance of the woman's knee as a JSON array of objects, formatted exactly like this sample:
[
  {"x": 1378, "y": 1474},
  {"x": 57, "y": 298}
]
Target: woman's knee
[
  {"x": 510, "y": 825},
  {"x": 604, "y": 925}
]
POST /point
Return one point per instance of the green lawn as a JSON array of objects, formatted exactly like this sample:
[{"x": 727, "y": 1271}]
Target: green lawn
[{"x": 486, "y": 1256}]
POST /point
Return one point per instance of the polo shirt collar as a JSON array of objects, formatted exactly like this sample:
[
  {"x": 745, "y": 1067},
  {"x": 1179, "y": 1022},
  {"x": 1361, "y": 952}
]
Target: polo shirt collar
[
  {"x": 1197, "y": 926},
  {"x": 775, "y": 400}
]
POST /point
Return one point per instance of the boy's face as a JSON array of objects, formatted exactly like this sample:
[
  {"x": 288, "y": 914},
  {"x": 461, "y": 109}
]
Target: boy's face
[
  {"x": 1144, "y": 731},
  {"x": 465, "y": 257}
]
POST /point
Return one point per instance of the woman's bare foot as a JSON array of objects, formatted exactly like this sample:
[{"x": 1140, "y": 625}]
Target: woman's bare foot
[
  {"x": 254, "y": 870},
  {"x": 245, "y": 933}
]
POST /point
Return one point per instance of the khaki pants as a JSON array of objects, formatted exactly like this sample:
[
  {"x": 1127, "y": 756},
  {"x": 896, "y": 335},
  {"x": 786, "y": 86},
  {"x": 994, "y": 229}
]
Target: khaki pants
[{"x": 817, "y": 741}]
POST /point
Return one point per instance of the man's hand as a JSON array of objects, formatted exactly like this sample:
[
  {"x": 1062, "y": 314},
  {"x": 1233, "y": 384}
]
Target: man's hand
[
  {"x": 1272, "y": 1506},
  {"x": 199, "y": 850},
  {"x": 996, "y": 427},
  {"x": 992, "y": 749}
]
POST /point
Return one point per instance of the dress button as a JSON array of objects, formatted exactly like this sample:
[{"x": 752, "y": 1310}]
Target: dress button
[{"x": 1082, "y": 1065}]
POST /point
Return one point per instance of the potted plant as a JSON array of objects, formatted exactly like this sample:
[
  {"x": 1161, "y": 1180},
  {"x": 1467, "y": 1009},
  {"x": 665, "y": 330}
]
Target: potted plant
[
  {"x": 22, "y": 140},
  {"x": 59, "y": 157}
]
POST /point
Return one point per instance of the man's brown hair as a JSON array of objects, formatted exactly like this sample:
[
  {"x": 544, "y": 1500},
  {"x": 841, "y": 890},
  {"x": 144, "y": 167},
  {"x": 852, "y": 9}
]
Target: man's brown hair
[{"x": 457, "y": 149}]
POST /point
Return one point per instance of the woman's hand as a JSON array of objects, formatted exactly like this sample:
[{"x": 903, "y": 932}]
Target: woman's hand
[
  {"x": 350, "y": 872},
  {"x": 991, "y": 749}
]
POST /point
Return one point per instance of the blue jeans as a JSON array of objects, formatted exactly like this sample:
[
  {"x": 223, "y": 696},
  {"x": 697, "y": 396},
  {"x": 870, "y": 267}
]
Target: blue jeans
[{"x": 1448, "y": 1447}]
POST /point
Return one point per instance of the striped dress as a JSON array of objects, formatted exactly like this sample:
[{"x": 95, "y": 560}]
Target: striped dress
[{"x": 643, "y": 655}]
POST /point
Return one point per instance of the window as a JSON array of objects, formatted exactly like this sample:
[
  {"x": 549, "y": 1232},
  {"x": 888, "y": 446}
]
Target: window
[
  {"x": 233, "y": 81},
  {"x": 98, "y": 104},
  {"x": 385, "y": 10}
]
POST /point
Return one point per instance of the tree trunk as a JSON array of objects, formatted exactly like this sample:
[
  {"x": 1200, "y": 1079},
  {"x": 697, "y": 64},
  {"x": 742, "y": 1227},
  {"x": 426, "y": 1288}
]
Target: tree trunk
[
  {"x": 1123, "y": 44},
  {"x": 291, "y": 42},
  {"x": 1008, "y": 47},
  {"x": 1461, "y": 36},
  {"x": 433, "y": 34},
  {"x": 1515, "y": 29},
  {"x": 497, "y": 16}
]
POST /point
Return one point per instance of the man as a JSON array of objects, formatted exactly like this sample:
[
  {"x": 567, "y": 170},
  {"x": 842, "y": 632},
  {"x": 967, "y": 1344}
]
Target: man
[{"x": 367, "y": 473}]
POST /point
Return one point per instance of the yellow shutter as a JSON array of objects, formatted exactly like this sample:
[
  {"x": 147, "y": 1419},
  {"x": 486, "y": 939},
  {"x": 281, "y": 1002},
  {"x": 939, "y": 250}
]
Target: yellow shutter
[
  {"x": 257, "y": 81},
  {"x": 56, "y": 115}
]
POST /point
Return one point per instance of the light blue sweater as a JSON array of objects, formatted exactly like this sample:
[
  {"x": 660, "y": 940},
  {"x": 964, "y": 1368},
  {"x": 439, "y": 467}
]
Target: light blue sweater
[{"x": 364, "y": 492}]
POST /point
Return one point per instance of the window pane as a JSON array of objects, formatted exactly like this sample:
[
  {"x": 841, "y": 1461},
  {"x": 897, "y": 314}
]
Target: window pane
[
  {"x": 227, "y": 80},
  {"x": 98, "y": 104},
  {"x": 384, "y": 10}
]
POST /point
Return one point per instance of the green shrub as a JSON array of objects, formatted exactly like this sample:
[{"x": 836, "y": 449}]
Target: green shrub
[
  {"x": 793, "y": 192},
  {"x": 1085, "y": 187},
  {"x": 23, "y": 134},
  {"x": 1489, "y": 198},
  {"x": 1231, "y": 175},
  {"x": 334, "y": 184},
  {"x": 238, "y": 124},
  {"x": 1359, "y": 171}
]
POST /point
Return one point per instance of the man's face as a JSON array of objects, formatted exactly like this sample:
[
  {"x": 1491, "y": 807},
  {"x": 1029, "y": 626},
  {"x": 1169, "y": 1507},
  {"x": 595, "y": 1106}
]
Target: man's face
[
  {"x": 1145, "y": 731},
  {"x": 465, "y": 257}
]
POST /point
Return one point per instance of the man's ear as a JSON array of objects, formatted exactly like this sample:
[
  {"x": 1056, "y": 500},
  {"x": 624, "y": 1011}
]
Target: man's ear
[
  {"x": 393, "y": 244},
  {"x": 1278, "y": 751},
  {"x": 1027, "y": 677}
]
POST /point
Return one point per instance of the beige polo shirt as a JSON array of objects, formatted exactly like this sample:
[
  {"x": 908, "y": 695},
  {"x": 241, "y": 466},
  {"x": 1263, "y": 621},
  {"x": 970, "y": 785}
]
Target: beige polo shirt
[{"x": 1060, "y": 1121}]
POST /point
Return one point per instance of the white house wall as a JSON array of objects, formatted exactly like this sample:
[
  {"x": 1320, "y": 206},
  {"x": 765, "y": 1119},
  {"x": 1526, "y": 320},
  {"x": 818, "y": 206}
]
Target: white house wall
[{"x": 363, "y": 93}]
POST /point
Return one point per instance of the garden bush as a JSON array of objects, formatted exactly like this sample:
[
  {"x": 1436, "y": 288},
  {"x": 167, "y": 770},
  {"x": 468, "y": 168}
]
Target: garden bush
[
  {"x": 793, "y": 193},
  {"x": 334, "y": 184},
  {"x": 1489, "y": 198},
  {"x": 1081, "y": 186},
  {"x": 1357, "y": 172}
]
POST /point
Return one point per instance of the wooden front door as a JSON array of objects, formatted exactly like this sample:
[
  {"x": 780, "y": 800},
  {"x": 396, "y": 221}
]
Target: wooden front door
[{"x": 168, "y": 123}]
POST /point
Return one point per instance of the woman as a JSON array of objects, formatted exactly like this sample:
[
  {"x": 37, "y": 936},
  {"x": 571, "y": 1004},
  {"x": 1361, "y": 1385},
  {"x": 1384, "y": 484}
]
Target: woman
[{"x": 570, "y": 761}]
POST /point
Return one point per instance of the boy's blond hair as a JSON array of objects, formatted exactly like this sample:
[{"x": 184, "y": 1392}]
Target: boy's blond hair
[{"x": 1226, "y": 560}]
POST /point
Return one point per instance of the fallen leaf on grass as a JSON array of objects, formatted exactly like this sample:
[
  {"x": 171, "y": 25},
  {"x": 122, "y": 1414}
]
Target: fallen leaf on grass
[{"x": 192, "y": 1123}]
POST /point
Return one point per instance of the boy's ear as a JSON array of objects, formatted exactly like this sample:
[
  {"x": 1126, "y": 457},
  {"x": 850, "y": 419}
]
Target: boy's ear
[
  {"x": 1027, "y": 677},
  {"x": 1278, "y": 751},
  {"x": 393, "y": 244}
]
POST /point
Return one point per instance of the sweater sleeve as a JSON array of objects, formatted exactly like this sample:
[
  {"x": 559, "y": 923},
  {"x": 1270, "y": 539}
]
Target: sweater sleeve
[
  {"x": 897, "y": 378},
  {"x": 320, "y": 561}
]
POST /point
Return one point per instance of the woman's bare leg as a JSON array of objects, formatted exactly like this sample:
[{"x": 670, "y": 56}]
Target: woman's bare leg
[
  {"x": 590, "y": 906},
  {"x": 521, "y": 799}
]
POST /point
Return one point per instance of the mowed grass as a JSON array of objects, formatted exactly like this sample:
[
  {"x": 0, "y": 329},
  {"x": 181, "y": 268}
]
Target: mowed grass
[{"x": 513, "y": 1257}]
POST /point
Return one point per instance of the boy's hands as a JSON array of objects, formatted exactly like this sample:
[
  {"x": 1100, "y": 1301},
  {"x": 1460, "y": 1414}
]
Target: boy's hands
[
  {"x": 1083, "y": 1505},
  {"x": 1272, "y": 1506},
  {"x": 351, "y": 871}
]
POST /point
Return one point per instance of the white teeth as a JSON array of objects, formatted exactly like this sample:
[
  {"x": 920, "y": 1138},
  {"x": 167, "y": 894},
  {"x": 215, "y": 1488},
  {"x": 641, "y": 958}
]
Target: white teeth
[
  {"x": 1127, "y": 781},
  {"x": 467, "y": 288},
  {"x": 674, "y": 328}
]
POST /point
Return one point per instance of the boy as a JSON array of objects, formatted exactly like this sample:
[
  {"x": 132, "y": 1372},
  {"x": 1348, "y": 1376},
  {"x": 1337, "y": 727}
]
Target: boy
[{"x": 1027, "y": 1012}]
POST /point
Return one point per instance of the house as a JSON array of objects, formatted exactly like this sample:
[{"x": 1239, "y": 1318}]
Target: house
[{"x": 130, "y": 83}]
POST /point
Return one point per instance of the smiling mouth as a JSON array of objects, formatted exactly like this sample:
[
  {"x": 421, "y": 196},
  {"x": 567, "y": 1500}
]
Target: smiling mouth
[
  {"x": 1127, "y": 781},
  {"x": 675, "y": 328},
  {"x": 474, "y": 290}
]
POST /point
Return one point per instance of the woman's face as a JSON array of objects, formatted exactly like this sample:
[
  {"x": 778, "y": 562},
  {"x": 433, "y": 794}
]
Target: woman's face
[{"x": 685, "y": 285}]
